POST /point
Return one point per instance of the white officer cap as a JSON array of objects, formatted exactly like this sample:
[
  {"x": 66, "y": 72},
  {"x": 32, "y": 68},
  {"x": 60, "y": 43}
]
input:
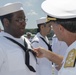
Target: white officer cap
[
  {"x": 41, "y": 20},
  {"x": 10, "y": 8},
  {"x": 62, "y": 9}
]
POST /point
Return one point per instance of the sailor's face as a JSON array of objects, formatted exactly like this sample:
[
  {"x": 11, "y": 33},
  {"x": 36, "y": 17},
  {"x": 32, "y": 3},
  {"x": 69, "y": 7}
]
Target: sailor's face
[
  {"x": 18, "y": 23},
  {"x": 47, "y": 28}
]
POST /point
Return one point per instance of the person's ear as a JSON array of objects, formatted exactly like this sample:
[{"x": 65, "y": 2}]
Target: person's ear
[
  {"x": 42, "y": 26},
  {"x": 6, "y": 22},
  {"x": 61, "y": 28}
]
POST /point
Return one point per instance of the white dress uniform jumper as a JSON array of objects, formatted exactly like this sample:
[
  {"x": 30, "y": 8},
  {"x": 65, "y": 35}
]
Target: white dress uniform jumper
[
  {"x": 12, "y": 57},
  {"x": 44, "y": 66}
]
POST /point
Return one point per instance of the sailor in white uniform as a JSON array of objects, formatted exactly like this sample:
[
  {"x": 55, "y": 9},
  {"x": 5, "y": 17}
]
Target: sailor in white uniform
[
  {"x": 44, "y": 66},
  {"x": 14, "y": 49}
]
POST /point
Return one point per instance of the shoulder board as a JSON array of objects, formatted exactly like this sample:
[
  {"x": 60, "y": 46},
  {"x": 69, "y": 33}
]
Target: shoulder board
[{"x": 70, "y": 60}]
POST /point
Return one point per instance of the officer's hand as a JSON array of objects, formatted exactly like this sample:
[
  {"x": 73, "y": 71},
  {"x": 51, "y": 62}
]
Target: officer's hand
[{"x": 40, "y": 52}]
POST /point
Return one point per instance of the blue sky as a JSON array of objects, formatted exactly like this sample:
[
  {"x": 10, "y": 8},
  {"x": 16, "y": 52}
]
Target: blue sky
[{"x": 32, "y": 9}]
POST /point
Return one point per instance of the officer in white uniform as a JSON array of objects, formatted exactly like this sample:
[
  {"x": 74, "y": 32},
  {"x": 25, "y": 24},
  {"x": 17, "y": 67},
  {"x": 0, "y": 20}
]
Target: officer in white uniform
[
  {"x": 13, "y": 54},
  {"x": 62, "y": 17},
  {"x": 44, "y": 66}
]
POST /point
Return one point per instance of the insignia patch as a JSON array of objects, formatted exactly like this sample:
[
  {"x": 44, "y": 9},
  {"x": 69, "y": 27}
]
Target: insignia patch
[{"x": 70, "y": 60}]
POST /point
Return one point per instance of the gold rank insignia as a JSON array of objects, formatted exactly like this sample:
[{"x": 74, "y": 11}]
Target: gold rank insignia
[
  {"x": 49, "y": 18},
  {"x": 70, "y": 60}
]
